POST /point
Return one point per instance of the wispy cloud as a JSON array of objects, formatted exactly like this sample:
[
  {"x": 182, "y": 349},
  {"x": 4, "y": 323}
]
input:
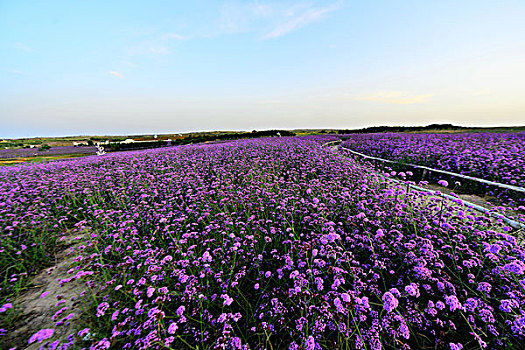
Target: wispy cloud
[
  {"x": 393, "y": 97},
  {"x": 169, "y": 36},
  {"x": 115, "y": 74},
  {"x": 270, "y": 19},
  {"x": 158, "y": 45},
  {"x": 23, "y": 47},
  {"x": 301, "y": 19}
]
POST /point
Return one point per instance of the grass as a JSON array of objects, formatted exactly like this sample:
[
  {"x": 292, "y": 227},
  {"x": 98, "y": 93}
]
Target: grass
[{"x": 38, "y": 159}]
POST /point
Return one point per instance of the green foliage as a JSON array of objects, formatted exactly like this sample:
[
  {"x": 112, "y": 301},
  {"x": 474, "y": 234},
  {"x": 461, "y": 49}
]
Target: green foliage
[{"x": 44, "y": 147}]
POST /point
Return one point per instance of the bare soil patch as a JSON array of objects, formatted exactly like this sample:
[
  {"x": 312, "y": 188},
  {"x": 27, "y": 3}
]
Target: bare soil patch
[{"x": 36, "y": 312}]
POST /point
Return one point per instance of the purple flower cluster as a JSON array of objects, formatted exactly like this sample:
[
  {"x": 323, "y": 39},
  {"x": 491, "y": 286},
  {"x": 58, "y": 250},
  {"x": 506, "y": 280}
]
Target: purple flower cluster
[{"x": 269, "y": 243}]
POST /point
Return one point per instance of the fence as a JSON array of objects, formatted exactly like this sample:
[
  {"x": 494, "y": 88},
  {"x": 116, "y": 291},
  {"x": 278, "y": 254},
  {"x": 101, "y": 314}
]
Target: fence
[{"x": 515, "y": 224}]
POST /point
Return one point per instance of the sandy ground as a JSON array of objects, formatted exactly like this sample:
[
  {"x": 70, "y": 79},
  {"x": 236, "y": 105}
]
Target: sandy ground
[{"x": 37, "y": 312}]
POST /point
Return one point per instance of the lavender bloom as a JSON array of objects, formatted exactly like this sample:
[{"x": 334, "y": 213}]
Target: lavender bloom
[
  {"x": 101, "y": 309},
  {"x": 453, "y": 302},
  {"x": 484, "y": 287},
  {"x": 443, "y": 183},
  {"x": 389, "y": 302},
  {"x": 412, "y": 290},
  {"x": 227, "y": 300},
  {"x": 508, "y": 304},
  {"x": 102, "y": 344},
  {"x": 310, "y": 343},
  {"x": 5, "y": 307},
  {"x": 180, "y": 310},
  {"x": 206, "y": 257},
  {"x": 114, "y": 315},
  {"x": 83, "y": 332},
  {"x": 172, "y": 328},
  {"x": 516, "y": 267},
  {"x": 41, "y": 335}
]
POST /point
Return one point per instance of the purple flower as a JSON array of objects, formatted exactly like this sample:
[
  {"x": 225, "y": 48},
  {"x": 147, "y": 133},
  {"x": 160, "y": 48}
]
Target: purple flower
[
  {"x": 180, "y": 310},
  {"x": 508, "y": 304},
  {"x": 83, "y": 332},
  {"x": 443, "y": 183},
  {"x": 227, "y": 299},
  {"x": 484, "y": 287},
  {"x": 41, "y": 335},
  {"x": 172, "y": 328},
  {"x": 455, "y": 346},
  {"x": 114, "y": 315},
  {"x": 471, "y": 304},
  {"x": 206, "y": 257},
  {"x": 5, "y": 307},
  {"x": 516, "y": 267},
  {"x": 150, "y": 291},
  {"x": 310, "y": 343},
  {"x": 102, "y": 344},
  {"x": 453, "y": 302},
  {"x": 101, "y": 309},
  {"x": 389, "y": 302},
  {"x": 412, "y": 290},
  {"x": 337, "y": 302}
]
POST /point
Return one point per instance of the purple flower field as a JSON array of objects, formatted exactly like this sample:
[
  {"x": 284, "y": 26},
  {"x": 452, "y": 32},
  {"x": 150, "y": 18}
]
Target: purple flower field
[
  {"x": 53, "y": 151},
  {"x": 263, "y": 244},
  {"x": 490, "y": 156}
]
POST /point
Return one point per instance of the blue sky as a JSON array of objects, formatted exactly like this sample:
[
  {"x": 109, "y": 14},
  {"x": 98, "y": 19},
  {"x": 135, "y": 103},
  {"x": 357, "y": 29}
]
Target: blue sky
[{"x": 124, "y": 67}]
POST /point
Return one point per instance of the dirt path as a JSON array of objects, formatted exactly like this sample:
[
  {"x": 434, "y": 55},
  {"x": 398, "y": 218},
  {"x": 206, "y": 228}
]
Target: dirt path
[{"x": 37, "y": 312}]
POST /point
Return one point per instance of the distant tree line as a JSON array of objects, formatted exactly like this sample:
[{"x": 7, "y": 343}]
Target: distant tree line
[
  {"x": 379, "y": 129},
  {"x": 232, "y": 136},
  {"x": 114, "y": 146}
]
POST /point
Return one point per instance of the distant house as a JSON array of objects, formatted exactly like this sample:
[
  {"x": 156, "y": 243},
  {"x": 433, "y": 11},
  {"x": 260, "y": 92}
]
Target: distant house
[
  {"x": 79, "y": 143},
  {"x": 128, "y": 141}
]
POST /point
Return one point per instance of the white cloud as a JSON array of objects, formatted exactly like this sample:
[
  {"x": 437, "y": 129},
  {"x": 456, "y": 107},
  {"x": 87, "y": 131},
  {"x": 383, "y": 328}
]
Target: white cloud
[
  {"x": 270, "y": 19},
  {"x": 296, "y": 21},
  {"x": 115, "y": 74},
  {"x": 393, "y": 97}
]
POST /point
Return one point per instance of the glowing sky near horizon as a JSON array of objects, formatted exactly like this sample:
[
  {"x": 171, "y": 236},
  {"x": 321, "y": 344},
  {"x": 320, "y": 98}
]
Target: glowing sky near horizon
[{"x": 135, "y": 67}]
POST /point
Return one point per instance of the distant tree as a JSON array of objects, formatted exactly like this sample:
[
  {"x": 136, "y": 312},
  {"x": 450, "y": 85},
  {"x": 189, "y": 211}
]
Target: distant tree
[{"x": 44, "y": 147}]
